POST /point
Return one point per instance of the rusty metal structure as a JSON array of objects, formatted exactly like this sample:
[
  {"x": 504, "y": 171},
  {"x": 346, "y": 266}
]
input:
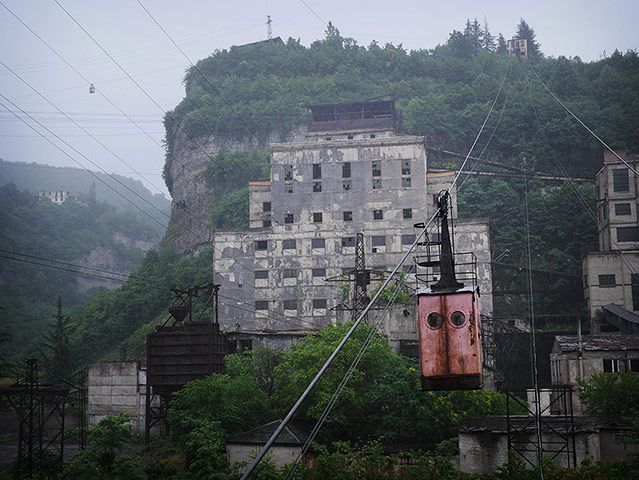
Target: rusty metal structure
[
  {"x": 449, "y": 323},
  {"x": 41, "y": 410},
  {"x": 183, "y": 351}
]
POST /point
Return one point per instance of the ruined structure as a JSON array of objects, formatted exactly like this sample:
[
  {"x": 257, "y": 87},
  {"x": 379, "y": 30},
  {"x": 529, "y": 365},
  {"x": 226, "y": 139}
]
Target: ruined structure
[
  {"x": 350, "y": 173},
  {"x": 610, "y": 275}
]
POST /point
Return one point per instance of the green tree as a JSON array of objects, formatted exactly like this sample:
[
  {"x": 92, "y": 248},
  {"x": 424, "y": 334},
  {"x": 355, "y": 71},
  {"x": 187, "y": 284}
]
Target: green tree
[
  {"x": 58, "y": 354},
  {"x": 525, "y": 31},
  {"x": 488, "y": 43},
  {"x": 502, "y": 46}
]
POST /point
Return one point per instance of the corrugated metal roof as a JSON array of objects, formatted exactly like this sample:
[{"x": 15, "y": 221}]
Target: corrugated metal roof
[
  {"x": 570, "y": 343},
  {"x": 621, "y": 312},
  {"x": 292, "y": 434}
]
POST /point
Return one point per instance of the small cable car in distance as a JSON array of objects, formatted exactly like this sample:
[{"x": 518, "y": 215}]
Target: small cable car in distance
[{"x": 450, "y": 353}]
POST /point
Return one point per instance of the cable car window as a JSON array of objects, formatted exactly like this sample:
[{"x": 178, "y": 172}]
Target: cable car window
[
  {"x": 458, "y": 319},
  {"x": 434, "y": 320}
]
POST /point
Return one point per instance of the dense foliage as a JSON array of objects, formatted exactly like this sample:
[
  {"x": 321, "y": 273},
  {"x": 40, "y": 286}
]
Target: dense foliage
[{"x": 69, "y": 233}]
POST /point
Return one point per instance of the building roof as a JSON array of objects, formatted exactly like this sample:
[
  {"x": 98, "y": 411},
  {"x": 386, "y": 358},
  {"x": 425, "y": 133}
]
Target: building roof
[
  {"x": 622, "y": 313},
  {"x": 593, "y": 343},
  {"x": 292, "y": 434}
]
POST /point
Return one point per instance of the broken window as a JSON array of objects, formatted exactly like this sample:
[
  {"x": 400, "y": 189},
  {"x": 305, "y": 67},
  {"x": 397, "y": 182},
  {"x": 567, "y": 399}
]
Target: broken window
[
  {"x": 622, "y": 209},
  {"x": 346, "y": 186},
  {"x": 405, "y": 167},
  {"x": 378, "y": 215},
  {"x": 607, "y": 280},
  {"x": 377, "y": 168},
  {"x": 634, "y": 364},
  {"x": 266, "y": 206},
  {"x": 288, "y": 188},
  {"x": 290, "y": 273},
  {"x": 288, "y": 173},
  {"x": 261, "y": 304},
  {"x": 612, "y": 365},
  {"x": 346, "y": 170},
  {"x": 261, "y": 274},
  {"x": 319, "y": 303},
  {"x": 348, "y": 241},
  {"x": 319, "y": 272},
  {"x": 290, "y": 304},
  {"x": 288, "y": 218},
  {"x": 317, "y": 217},
  {"x": 407, "y": 213},
  {"x": 266, "y": 223},
  {"x": 317, "y": 171},
  {"x": 350, "y": 136},
  {"x": 378, "y": 240},
  {"x": 318, "y": 243},
  {"x": 406, "y": 182},
  {"x": 620, "y": 181},
  {"x": 348, "y": 216},
  {"x": 261, "y": 245},
  {"x": 289, "y": 244},
  {"x": 377, "y": 183},
  {"x": 317, "y": 186}
]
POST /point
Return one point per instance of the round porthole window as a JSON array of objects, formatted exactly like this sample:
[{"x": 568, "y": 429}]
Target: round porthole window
[
  {"x": 458, "y": 319},
  {"x": 434, "y": 320}
]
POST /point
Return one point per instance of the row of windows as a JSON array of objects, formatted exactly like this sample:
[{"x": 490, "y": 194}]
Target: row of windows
[
  {"x": 319, "y": 272},
  {"x": 614, "y": 365},
  {"x": 347, "y": 215},
  {"x": 620, "y": 180},
  {"x": 376, "y": 241},
  {"x": 609, "y": 280},
  {"x": 318, "y": 304}
]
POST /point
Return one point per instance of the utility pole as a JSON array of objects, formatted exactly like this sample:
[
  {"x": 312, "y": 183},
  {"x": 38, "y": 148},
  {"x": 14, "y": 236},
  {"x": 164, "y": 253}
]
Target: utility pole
[{"x": 269, "y": 28}]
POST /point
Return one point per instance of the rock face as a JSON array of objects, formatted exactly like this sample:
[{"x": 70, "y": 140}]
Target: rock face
[{"x": 190, "y": 225}]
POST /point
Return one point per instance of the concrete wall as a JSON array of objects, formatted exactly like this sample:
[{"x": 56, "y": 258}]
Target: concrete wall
[
  {"x": 622, "y": 265},
  {"x": 114, "y": 388},
  {"x": 281, "y": 455}
]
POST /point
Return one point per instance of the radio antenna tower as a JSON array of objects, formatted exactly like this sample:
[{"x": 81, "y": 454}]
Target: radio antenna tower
[{"x": 269, "y": 28}]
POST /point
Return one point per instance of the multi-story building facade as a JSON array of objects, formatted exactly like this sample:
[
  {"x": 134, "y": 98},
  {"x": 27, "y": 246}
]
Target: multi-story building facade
[
  {"x": 611, "y": 275},
  {"x": 351, "y": 173}
]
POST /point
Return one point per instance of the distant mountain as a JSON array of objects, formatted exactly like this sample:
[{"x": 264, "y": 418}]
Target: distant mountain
[{"x": 36, "y": 177}]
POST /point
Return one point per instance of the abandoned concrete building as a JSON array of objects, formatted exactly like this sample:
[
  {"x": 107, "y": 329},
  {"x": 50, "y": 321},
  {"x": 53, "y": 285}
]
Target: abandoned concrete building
[
  {"x": 610, "y": 275},
  {"x": 352, "y": 173}
]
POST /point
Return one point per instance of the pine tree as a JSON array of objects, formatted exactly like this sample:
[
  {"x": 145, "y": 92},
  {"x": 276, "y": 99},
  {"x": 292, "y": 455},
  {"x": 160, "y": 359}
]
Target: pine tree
[
  {"x": 57, "y": 346},
  {"x": 489, "y": 40},
  {"x": 502, "y": 47},
  {"x": 526, "y": 31},
  {"x": 475, "y": 34}
]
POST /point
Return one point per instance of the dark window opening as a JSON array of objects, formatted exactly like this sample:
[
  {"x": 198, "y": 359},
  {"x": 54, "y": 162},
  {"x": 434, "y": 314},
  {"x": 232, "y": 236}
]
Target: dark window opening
[
  {"x": 317, "y": 217},
  {"x": 319, "y": 272},
  {"x": 346, "y": 186},
  {"x": 266, "y": 206},
  {"x": 288, "y": 218},
  {"x": 372, "y": 135},
  {"x": 317, "y": 171},
  {"x": 634, "y": 284},
  {"x": 288, "y": 189},
  {"x": 317, "y": 187},
  {"x": 350, "y": 137},
  {"x": 290, "y": 304},
  {"x": 261, "y": 274},
  {"x": 288, "y": 173},
  {"x": 406, "y": 182},
  {"x": 377, "y": 183},
  {"x": 266, "y": 223},
  {"x": 407, "y": 213},
  {"x": 622, "y": 209},
  {"x": 620, "y": 181},
  {"x": 290, "y": 273},
  {"x": 348, "y": 216},
  {"x": 261, "y": 245},
  {"x": 607, "y": 280},
  {"x": 289, "y": 244},
  {"x": 319, "y": 303},
  {"x": 377, "y": 168},
  {"x": 634, "y": 364},
  {"x": 348, "y": 241},
  {"x": 261, "y": 304},
  {"x": 405, "y": 167},
  {"x": 346, "y": 170},
  {"x": 378, "y": 215},
  {"x": 378, "y": 240},
  {"x": 611, "y": 365},
  {"x": 408, "y": 239},
  {"x": 318, "y": 243},
  {"x": 628, "y": 234}
]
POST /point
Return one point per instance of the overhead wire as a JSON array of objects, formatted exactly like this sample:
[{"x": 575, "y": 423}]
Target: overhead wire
[{"x": 263, "y": 451}]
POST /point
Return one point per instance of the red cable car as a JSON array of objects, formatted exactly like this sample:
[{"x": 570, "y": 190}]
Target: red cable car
[{"x": 450, "y": 354}]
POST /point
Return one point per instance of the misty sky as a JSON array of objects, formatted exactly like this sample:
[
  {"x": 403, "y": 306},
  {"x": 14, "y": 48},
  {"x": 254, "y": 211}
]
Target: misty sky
[{"x": 585, "y": 28}]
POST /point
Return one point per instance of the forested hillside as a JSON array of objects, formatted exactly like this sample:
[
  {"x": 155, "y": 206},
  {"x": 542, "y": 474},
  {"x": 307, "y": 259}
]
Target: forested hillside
[
  {"x": 68, "y": 251},
  {"x": 36, "y": 177}
]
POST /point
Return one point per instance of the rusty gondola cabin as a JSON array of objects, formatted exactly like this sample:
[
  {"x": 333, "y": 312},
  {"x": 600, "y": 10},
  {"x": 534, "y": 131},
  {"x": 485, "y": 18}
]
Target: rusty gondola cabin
[{"x": 448, "y": 314}]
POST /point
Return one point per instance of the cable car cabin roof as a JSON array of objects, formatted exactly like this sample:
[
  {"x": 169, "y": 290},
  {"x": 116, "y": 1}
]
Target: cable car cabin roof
[{"x": 430, "y": 291}]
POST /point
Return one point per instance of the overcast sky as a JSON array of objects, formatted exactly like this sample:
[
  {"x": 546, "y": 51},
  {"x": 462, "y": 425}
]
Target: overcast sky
[{"x": 584, "y": 28}]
